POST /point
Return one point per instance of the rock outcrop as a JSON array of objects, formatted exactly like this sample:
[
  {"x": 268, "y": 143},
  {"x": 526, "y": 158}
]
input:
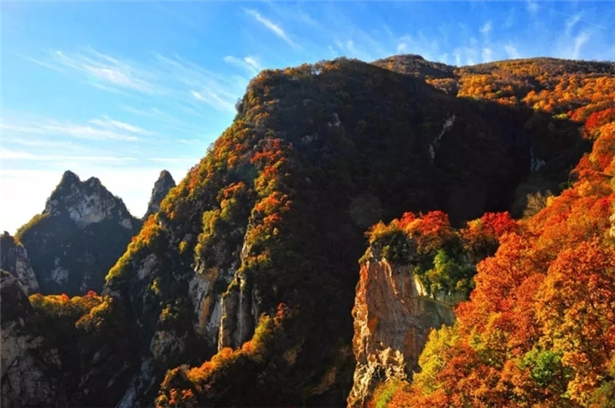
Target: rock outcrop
[
  {"x": 80, "y": 234},
  {"x": 393, "y": 316},
  {"x": 162, "y": 186},
  {"x": 86, "y": 202},
  {"x": 30, "y": 369},
  {"x": 14, "y": 259}
]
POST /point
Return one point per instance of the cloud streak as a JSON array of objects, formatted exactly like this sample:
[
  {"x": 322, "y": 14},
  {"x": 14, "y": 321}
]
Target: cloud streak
[
  {"x": 51, "y": 127},
  {"x": 248, "y": 63},
  {"x": 578, "y": 43},
  {"x": 109, "y": 123},
  {"x": 271, "y": 26},
  {"x": 9, "y": 154},
  {"x": 102, "y": 69}
]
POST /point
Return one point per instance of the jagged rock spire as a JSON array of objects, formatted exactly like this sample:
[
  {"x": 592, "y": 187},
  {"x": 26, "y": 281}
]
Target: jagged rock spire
[{"x": 162, "y": 186}]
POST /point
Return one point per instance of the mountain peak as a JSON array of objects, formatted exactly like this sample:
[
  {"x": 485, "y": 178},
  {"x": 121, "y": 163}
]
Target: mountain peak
[
  {"x": 86, "y": 202},
  {"x": 162, "y": 186},
  {"x": 69, "y": 178}
]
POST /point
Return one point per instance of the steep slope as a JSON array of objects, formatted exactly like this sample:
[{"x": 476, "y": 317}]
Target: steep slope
[
  {"x": 81, "y": 233},
  {"x": 273, "y": 217},
  {"x": 14, "y": 259},
  {"x": 161, "y": 188}
]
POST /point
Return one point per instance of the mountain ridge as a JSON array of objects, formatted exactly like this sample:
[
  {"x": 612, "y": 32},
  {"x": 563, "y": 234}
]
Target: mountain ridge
[{"x": 240, "y": 288}]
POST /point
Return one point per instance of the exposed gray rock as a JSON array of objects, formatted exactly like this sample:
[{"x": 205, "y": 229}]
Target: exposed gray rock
[
  {"x": 30, "y": 368},
  {"x": 14, "y": 259},
  {"x": 161, "y": 188},
  {"x": 86, "y": 202}
]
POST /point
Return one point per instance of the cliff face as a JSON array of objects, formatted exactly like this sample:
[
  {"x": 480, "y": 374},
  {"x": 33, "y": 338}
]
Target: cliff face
[
  {"x": 59, "y": 352},
  {"x": 392, "y": 318},
  {"x": 161, "y": 188},
  {"x": 31, "y": 369},
  {"x": 77, "y": 238},
  {"x": 14, "y": 259}
]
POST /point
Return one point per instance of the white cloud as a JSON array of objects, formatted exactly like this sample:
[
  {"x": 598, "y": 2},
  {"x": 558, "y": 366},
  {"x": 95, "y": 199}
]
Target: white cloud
[
  {"x": 210, "y": 97},
  {"x": 50, "y": 127},
  {"x": 532, "y": 6},
  {"x": 512, "y": 52},
  {"x": 420, "y": 45},
  {"x": 42, "y": 63},
  {"x": 271, "y": 26},
  {"x": 248, "y": 63},
  {"x": 108, "y": 71},
  {"x": 107, "y": 122},
  {"x": 487, "y": 53},
  {"x": 251, "y": 61},
  {"x": 578, "y": 43},
  {"x": 194, "y": 84},
  {"x": 572, "y": 21},
  {"x": 486, "y": 28},
  {"x": 8, "y": 154}
]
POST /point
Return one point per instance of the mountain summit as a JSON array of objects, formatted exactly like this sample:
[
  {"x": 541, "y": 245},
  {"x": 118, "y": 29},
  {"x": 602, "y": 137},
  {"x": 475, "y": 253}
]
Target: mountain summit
[
  {"x": 78, "y": 236},
  {"x": 86, "y": 202}
]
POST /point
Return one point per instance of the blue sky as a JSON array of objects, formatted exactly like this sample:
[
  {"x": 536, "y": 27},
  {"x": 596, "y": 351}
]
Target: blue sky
[{"x": 121, "y": 90}]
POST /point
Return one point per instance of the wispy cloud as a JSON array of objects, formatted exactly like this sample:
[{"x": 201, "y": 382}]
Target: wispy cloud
[
  {"x": 487, "y": 54},
  {"x": 572, "y": 21},
  {"x": 8, "y": 154},
  {"x": 42, "y": 63},
  {"x": 532, "y": 6},
  {"x": 109, "y": 123},
  {"x": 510, "y": 18},
  {"x": 181, "y": 83},
  {"x": 271, "y": 26},
  {"x": 512, "y": 51},
  {"x": 419, "y": 44},
  {"x": 43, "y": 143},
  {"x": 166, "y": 120},
  {"x": 51, "y": 127},
  {"x": 194, "y": 84},
  {"x": 248, "y": 63},
  {"x": 102, "y": 70},
  {"x": 486, "y": 28},
  {"x": 578, "y": 43}
]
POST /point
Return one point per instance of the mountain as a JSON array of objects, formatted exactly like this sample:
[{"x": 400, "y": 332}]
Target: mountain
[
  {"x": 161, "y": 188},
  {"x": 80, "y": 234},
  {"x": 239, "y": 290},
  {"x": 14, "y": 259}
]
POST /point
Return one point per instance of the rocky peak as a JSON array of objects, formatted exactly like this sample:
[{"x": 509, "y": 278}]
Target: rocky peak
[
  {"x": 162, "y": 186},
  {"x": 86, "y": 202}
]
